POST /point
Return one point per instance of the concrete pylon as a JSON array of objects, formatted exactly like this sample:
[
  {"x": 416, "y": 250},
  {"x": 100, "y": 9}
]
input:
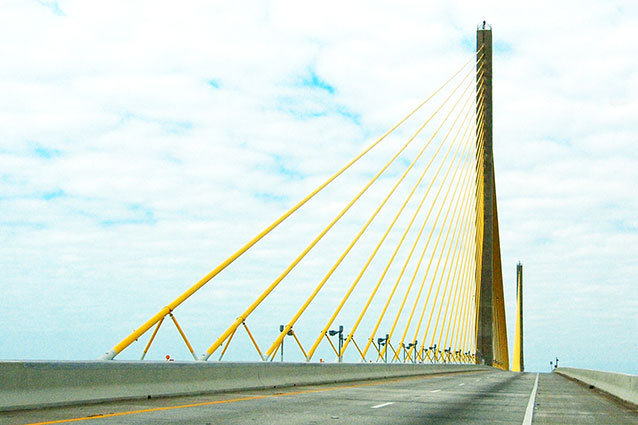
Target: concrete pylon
[
  {"x": 485, "y": 268},
  {"x": 517, "y": 359}
]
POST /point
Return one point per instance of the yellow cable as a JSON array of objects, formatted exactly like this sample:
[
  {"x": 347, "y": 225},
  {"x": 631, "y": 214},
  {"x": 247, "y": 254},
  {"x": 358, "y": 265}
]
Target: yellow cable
[
  {"x": 365, "y": 350},
  {"x": 411, "y": 250},
  {"x": 281, "y": 336},
  {"x": 458, "y": 270},
  {"x": 434, "y": 227},
  {"x": 468, "y": 340},
  {"x": 460, "y": 288},
  {"x": 447, "y": 257},
  {"x": 442, "y": 207},
  {"x": 461, "y": 237},
  {"x": 356, "y": 281},
  {"x": 465, "y": 294},
  {"x": 351, "y": 335},
  {"x": 429, "y": 236},
  {"x": 170, "y": 307},
  {"x": 416, "y": 242},
  {"x": 437, "y": 266},
  {"x": 428, "y": 270}
]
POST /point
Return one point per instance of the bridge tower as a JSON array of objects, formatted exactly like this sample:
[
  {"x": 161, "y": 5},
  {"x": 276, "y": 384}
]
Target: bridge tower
[
  {"x": 517, "y": 359},
  {"x": 490, "y": 330}
]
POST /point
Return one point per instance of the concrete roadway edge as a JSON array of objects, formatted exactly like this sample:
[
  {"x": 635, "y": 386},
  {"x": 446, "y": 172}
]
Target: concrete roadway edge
[{"x": 608, "y": 395}]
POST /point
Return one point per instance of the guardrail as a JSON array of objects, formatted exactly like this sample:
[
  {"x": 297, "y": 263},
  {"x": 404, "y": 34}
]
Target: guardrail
[
  {"x": 620, "y": 385},
  {"x": 36, "y": 384}
]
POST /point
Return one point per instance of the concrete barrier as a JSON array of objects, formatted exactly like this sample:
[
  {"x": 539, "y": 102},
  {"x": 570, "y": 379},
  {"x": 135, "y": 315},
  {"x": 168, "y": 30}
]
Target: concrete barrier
[
  {"x": 36, "y": 384},
  {"x": 620, "y": 385}
]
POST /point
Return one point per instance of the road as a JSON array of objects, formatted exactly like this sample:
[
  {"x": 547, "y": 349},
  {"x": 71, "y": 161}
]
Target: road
[{"x": 468, "y": 398}]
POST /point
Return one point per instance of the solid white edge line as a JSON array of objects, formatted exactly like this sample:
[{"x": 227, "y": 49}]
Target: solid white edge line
[
  {"x": 382, "y": 405},
  {"x": 461, "y": 384},
  {"x": 435, "y": 391},
  {"x": 529, "y": 412}
]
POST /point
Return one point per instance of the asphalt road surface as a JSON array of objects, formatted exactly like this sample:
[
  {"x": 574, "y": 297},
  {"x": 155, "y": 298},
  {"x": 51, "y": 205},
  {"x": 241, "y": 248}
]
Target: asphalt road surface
[{"x": 459, "y": 398}]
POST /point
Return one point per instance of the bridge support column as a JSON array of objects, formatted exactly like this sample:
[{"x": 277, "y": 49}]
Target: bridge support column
[
  {"x": 486, "y": 201},
  {"x": 517, "y": 360}
]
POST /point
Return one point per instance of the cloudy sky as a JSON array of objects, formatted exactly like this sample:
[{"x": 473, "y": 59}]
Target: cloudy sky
[{"x": 141, "y": 143}]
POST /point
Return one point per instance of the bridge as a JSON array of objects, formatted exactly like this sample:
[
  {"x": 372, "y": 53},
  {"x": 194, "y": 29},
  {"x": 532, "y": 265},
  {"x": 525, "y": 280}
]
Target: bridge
[
  {"x": 406, "y": 324},
  {"x": 445, "y": 299}
]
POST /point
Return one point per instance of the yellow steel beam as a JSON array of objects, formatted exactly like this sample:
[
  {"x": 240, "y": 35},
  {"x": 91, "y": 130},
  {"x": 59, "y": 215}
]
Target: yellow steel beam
[
  {"x": 294, "y": 335},
  {"x": 459, "y": 313},
  {"x": 461, "y": 289},
  {"x": 479, "y": 247},
  {"x": 499, "y": 301},
  {"x": 393, "y": 289},
  {"x": 466, "y": 315},
  {"x": 358, "y": 349},
  {"x": 250, "y": 335},
  {"x": 181, "y": 332},
  {"x": 150, "y": 341},
  {"x": 230, "y": 338}
]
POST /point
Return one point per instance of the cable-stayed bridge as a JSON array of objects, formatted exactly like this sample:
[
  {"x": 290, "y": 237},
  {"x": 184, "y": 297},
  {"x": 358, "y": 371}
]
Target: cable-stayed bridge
[
  {"x": 437, "y": 294},
  {"x": 409, "y": 304}
]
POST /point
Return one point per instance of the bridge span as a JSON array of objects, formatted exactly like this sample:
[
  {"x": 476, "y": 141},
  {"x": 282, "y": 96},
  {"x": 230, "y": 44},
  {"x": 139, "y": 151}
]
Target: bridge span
[{"x": 479, "y": 397}]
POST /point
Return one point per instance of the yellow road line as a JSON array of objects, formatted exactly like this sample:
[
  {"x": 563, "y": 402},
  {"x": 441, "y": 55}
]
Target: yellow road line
[{"x": 234, "y": 400}]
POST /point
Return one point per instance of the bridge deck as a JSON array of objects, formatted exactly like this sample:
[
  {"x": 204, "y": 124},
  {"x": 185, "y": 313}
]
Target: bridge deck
[
  {"x": 470, "y": 398},
  {"x": 560, "y": 400}
]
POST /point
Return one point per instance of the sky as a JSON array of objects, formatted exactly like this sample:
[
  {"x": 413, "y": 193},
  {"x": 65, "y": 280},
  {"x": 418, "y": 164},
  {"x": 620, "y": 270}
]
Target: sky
[{"x": 142, "y": 143}]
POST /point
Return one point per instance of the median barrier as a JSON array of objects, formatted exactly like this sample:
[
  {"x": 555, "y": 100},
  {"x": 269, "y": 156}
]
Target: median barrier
[
  {"x": 620, "y": 385},
  {"x": 37, "y": 384}
]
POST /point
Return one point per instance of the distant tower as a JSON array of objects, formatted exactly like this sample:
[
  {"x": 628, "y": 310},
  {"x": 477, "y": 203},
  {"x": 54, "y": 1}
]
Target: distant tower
[{"x": 517, "y": 360}]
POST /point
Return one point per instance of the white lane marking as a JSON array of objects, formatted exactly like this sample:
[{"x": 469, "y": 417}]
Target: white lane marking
[
  {"x": 477, "y": 380},
  {"x": 461, "y": 384},
  {"x": 529, "y": 412},
  {"x": 435, "y": 391},
  {"x": 382, "y": 405}
]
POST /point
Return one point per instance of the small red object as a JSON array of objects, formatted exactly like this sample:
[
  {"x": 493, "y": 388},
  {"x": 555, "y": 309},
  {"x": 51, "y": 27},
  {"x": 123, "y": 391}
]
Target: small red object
[{"x": 168, "y": 357}]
